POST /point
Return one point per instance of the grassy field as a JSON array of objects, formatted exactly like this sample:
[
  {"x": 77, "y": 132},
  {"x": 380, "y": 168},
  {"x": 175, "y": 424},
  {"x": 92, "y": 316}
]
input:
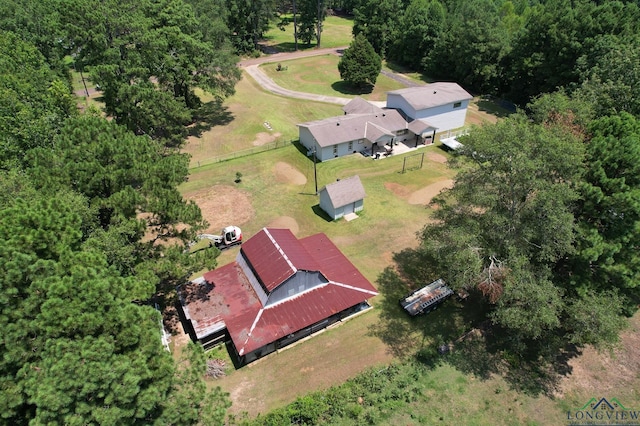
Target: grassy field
[
  {"x": 451, "y": 394},
  {"x": 239, "y": 122},
  {"x": 337, "y": 32},
  {"x": 387, "y": 224},
  {"x": 319, "y": 74}
]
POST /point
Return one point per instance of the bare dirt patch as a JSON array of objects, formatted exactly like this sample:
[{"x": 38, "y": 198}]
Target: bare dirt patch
[
  {"x": 264, "y": 138},
  {"x": 285, "y": 222},
  {"x": 424, "y": 195},
  {"x": 398, "y": 190},
  {"x": 436, "y": 158},
  {"x": 223, "y": 205},
  {"x": 607, "y": 373},
  {"x": 286, "y": 173}
]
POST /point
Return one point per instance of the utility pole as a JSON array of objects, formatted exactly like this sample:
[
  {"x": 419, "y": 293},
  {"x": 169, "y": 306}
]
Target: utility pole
[{"x": 315, "y": 169}]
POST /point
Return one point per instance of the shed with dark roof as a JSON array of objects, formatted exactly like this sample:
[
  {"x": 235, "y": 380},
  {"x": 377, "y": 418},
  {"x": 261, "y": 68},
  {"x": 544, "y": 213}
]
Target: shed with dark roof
[
  {"x": 279, "y": 290},
  {"x": 342, "y": 197}
]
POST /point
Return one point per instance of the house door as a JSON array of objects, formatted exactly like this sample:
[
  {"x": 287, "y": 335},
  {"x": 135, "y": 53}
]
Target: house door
[{"x": 349, "y": 208}]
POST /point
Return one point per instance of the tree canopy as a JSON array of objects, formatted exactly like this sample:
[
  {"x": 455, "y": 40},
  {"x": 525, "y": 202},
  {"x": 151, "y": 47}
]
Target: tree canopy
[
  {"x": 360, "y": 65},
  {"x": 93, "y": 227}
]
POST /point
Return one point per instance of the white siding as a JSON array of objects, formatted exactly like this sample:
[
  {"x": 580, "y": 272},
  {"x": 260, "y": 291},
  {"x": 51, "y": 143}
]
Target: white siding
[
  {"x": 306, "y": 138},
  {"x": 325, "y": 204},
  {"x": 398, "y": 102},
  {"x": 443, "y": 117}
]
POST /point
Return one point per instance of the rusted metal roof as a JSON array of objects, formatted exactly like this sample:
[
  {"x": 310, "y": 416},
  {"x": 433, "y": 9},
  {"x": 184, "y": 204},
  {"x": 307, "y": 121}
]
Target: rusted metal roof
[
  {"x": 231, "y": 298},
  {"x": 275, "y": 255}
]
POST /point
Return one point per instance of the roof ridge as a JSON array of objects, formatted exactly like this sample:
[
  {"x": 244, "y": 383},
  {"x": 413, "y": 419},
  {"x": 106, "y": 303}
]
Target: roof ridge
[
  {"x": 280, "y": 250},
  {"x": 374, "y": 293}
]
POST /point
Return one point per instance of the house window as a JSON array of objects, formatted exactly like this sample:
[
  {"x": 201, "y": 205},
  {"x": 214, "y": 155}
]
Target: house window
[
  {"x": 291, "y": 292},
  {"x": 457, "y": 105},
  {"x": 335, "y": 149},
  {"x": 403, "y": 132},
  {"x": 350, "y": 146},
  {"x": 361, "y": 141}
]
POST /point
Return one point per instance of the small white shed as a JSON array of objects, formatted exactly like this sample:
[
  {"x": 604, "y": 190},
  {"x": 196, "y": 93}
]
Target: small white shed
[{"x": 342, "y": 197}]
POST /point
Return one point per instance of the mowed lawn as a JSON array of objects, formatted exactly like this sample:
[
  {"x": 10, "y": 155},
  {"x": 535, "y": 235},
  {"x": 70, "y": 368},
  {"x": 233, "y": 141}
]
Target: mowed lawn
[
  {"x": 241, "y": 123},
  {"x": 320, "y": 75},
  {"x": 337, "y": 32},
  {"x": 387, "y": 224}
]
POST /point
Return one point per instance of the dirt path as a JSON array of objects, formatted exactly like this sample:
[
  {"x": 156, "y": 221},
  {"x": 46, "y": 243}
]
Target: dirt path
[
  {"x": 251, "y": 66},
  {"x": 285, "y": 56}
]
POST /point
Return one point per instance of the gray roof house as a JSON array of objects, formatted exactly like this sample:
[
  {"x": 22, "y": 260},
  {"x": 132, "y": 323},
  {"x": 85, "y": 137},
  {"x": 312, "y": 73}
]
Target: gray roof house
[
  {"x": 443, "y": 105},
  {"x": 350, "y": 133},
  {"x": 342, "y": 197},
  {"x": 412, "y": 116},
  {"x": 359, "y": 105}
]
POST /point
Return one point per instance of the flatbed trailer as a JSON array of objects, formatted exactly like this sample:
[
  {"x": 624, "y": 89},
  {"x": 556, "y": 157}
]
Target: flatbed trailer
[{"x": 427, "y": 298}]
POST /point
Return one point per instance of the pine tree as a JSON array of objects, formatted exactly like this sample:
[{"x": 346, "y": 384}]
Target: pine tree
[{"x": 360, "y": 64}]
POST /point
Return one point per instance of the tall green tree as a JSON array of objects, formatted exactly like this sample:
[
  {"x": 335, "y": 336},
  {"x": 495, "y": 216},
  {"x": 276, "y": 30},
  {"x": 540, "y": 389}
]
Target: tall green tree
[
  {"x": 148, "y": 57},
  {"x": 248, "y": 20},
  {"x": 421, "y": 26},
  {"x": 377, "y": 21},
  {"x": 471, "y": 46},
  {"x": 610, "y": 75},
  {"x": 76, "y": 349},
  {"x": 33, "y": 100},
  {"x": 360, "y": 65},
  {"x": 311, "y": 14},
  {"x": 507, "y": 222},
  {"x": 64, "y": 310},
  {"x": 608, "y": 214},
  {"x": 122, "y": 175}
]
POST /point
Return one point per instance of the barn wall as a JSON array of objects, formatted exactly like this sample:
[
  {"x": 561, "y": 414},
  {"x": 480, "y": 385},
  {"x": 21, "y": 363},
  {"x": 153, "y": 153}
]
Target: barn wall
[
  {"x": 300, "y": 334},
  {"x": 300, "y": 282},
  {"x": 242, "y": 262}
]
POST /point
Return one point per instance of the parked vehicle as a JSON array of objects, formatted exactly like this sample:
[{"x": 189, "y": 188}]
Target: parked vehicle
[
  {"x": 230, "y": 236},
  {"x": 426, "y": 299}
]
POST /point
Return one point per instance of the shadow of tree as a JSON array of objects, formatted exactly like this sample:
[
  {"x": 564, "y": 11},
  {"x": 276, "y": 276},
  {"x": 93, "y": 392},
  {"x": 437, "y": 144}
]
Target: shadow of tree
[
  {"x": 498, "y": 107},
  {"x": 209, "y": 114},
  {"x": 407, "y": 336},
  {"x": 349, "y": 89},
  {"x": 487, "y": 350},
  {"x": 401, "y": 69},
  {"x": 460, "y": 334},
  {"x": 291, "y": 46}
]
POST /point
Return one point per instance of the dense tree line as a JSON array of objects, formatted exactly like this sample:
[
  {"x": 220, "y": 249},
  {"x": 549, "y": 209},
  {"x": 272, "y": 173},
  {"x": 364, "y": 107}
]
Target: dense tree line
[
  {"x": 515, "y": 49},
  {"x": 92, "y": 226}
]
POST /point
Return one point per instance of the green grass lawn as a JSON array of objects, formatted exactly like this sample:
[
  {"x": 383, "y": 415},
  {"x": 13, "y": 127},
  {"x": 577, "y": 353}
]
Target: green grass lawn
[
  {"x": 319, "y": 74},
  {"x": 387, "y": 224},
  {"x": 337, "y": 32},
  {"x": 239, "y": 122}
]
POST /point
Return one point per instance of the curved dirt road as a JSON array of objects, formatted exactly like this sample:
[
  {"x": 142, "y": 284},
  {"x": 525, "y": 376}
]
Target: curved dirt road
[{"x": 251, "y": 66}]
